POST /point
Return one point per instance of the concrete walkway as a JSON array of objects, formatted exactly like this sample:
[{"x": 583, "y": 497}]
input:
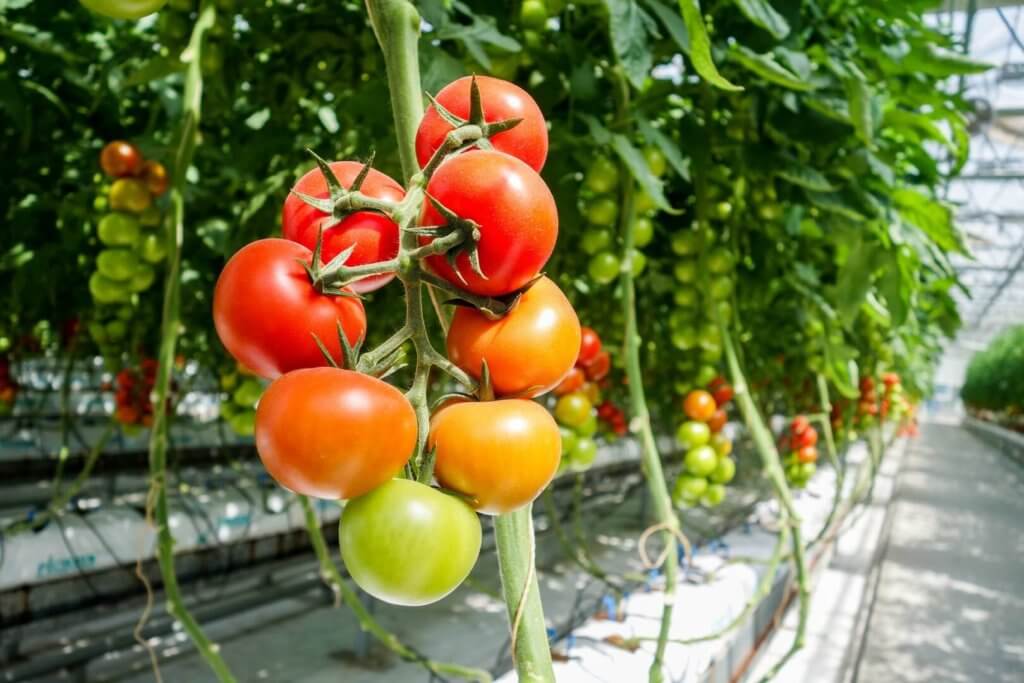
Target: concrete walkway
[{"x": 950, "y": 601}]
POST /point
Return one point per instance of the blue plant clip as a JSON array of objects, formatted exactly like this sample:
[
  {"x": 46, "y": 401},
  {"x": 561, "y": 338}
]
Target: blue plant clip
[{"x": 609, "y": 606}]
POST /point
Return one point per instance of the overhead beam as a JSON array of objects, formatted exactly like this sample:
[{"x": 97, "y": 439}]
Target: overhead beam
[{"x": 963, "y": 5}]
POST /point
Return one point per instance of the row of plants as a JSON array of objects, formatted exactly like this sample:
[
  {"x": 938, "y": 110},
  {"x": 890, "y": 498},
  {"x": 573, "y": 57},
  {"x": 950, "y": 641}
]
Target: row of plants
[
  {"x": 744, "y": 194},
  {"x": 993, "y": 387}
]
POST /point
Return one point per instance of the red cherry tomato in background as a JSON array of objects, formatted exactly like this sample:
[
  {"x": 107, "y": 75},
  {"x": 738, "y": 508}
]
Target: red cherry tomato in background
[
  {"x": 599, "y": 367},
  {"x": 572, "y": 382},
  {"x": 501, "y": 454},
  {"x": 799, "y": 425},
  {"x": 699, "y": 405},
  {"x": 808, "y": 437},
  {"x": 515, "y": 211},
  {"x": 529, "y": 351},
  {"x": 527, "y": 141},
  {"x": 374, "y": 236},
  {"x": 590, "y": 346},
  {"x": 333, "y": 433},
  {"x": 266, "y": 310},
  {"x": 119, "y": 159}
]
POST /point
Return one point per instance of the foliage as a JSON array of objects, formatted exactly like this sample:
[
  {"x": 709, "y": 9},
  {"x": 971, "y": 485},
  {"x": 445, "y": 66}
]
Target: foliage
[{"x": 995, "y": 376}]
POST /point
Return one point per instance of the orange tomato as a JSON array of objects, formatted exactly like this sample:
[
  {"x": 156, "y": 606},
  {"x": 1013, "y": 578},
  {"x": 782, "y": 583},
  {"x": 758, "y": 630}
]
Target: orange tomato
[
  {"x": 529, "y": 351},
  {"x": 699, "y": 405},
  {"x": 598, "y": 368},
  {"x": 573, "y": 381},
  {"x": 501, "y": 454},
  {"x": 154, "y": 174},
  {"x": 807, "y": 454},
  {"x": 718, "y": 420},
  {"x": 333, "y": 433}
]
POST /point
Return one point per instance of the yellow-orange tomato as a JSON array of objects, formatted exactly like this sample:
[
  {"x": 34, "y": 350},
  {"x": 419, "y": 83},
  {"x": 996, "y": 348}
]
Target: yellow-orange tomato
[
  {"x": 807, "y": 454},
  {"x": 572, "y": 382},
  {"x": 501, "y": 454},
  {"x": 154, "y": 174},
  {"x": 699, "y": 405},
  {"x": 718, "y": 420},
  {"x": 333, "y": 433},
  {"x": 529, "y": 351}
]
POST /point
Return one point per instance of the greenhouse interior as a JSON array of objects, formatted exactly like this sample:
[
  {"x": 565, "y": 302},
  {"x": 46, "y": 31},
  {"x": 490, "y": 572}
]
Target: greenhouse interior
[{"x": 293, "y": 390}]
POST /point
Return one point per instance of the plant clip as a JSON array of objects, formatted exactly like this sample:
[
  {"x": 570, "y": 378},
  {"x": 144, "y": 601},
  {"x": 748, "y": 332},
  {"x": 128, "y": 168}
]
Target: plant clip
[{"x": 338, "y": 204}]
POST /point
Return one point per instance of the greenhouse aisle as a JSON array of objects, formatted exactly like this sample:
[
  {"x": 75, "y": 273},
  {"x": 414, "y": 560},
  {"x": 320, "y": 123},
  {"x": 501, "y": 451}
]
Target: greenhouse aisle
[{"x": 950, "y": 600}]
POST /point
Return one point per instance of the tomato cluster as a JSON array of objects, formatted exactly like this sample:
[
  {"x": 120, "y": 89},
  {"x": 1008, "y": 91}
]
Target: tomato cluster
[
  {"x": 243, "y": 392},
  {"x": 802, "y": 452},
  {"x": 289, "y": 310},
  {"x": 576, "y": 398},
  {"x": 132, "y": 239},
  {"x": 707, "y": 463},
  {"x": 8, "y": 386},
  {"x": 134, "y": 388}
]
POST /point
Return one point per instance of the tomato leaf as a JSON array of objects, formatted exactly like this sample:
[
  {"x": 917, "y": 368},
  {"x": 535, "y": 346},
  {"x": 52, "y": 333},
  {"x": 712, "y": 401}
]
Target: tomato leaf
[
  {"x": 628, "y": 26},
  {"x": 152, "y": 70},
  {"x": 765, "y": 66},
  {"x": 935, "y": 60},
  {"x": 637, "y": 165},
  {"x": 854, "y": 279},
  {"x": 931, "y": 216},
  {"x": 805, "y": 176},
  {"x": 700, "y": 46},
  {"x": 672, "y": 22},
  {"x": 862, "y": 107},
  {"x": 668, "y": 147},
  {"x": 761, "y": 13}
]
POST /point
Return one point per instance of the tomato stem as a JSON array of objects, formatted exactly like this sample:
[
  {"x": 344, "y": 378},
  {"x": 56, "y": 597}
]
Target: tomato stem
[
  {"x": 156, "y": 502},
  {"x": 825, "y": 420}
]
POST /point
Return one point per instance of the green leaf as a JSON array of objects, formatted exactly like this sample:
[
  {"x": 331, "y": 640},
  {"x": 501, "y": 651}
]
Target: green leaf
[
  {"x": 934, "y": 60},
  {"x": 805, "y": 176},
  {"x": 700, "y": 46},
  {"x": 668, "y": 147},
  {"x": 637, "y": 165},
  {"x": 672, "y": 22},
  {"x": 761, "y": 13},
  {"x": 837, "y": 203},
  {"x": 931, "y": 216},
  {"x": 890, "y": 286},
  {"x": 920, "y": 125},
  {"x": 765, "y": 66},
  {"x": 152, "y": 70},
  {"x": 627, "y": 25},
  {"x": 854, "y": 280},
  {"x": 862, "y": 115}
]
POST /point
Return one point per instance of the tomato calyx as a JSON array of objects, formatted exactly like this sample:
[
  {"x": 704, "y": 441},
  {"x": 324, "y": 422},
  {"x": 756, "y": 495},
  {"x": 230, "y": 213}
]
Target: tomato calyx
[
  {"x": 474, "y": 131},
  {"x": 454, "y": 237},
  {"x": 344, "y": 201}
]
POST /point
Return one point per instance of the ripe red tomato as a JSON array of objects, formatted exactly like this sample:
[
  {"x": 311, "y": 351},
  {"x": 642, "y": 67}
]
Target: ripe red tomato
[
  {"x": 522, "y": 447},
  {"x": 529, "y": 351},
  {"x": 501, "y": 100},
  {"x": 599, "y": 367},
  {"x": 572, "y": 382},
  {"x": 808, "y": 437},
  {"x": 590, "y": 346},
  {"x": 699, "y": 405},
  {"x": 407, "y": 543},
  {"x": 300, "y": 420},
  {"x": 717, "y": 420},
  {"x": 515, "y": 211},
  {"x": 807, "y": 454},
  {"x": 799, "y": 425},
  {"x": 375, "y": 236},
  {"x": 120, "y": 158},
  {"x": 890, "y": 379},
  {"x": 717, "y": 382},
  {"x": 723, "y": 394},
  {"x": 266, "y": 310},
  {"x": 154, "y": 174}
]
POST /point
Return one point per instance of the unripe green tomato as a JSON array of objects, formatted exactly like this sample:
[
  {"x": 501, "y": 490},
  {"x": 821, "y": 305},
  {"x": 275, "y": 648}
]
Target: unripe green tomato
[
  {"x": 117, "y": 264},
  {"x": 719, "y": 261},
  {"x": 143, "y": 278},
  {"x": 815, "y": 327},
  {"x": 118, "y": 229},
  {"x": 793, "y": 472},
  {"x": 533, "y": 14},
  {"x": 724, "y": 310},
  {"x": 643, "y": 231},
  {"x": 152, "y": 248},
  {"x": 100, "y": 204},
  {"x": 769, "y": 212},
  {"x": 714, "y": 496},
  {"x": 572, "y": 410},
  {"x": 720, "y": 288},
  {"x": 116, "y": 330},
  {"x": 807, "y": 470},
  {"x": 656, "y": 161},
  {"x": 583, "y": 455},
  {"x": 589, "y": 426},
  {"x": 689, "y": 489},
  {"x": 247, "y": 393},
  {"x": 602, "y": 176},
  {"x": 98, "y": 331},
  {"x": 123, "y": 9},
  {"x": 172, "y": 27},
  {"x": 534, "y": 40},
  {"x": 686, "y": 297},
  {"x": 710, "y": 336},
  {"x": 181, "y": 5},
  {"x": 150, "y": 218},
  {"x": 228, "y": 380},
  {"x": 686, "y": 271},
  {"x": 637, "y": 262},
  {"x": 243, "y": 422},
  {"x": 724, "y": 471},
  {"x": 595, "y": 240},
  {"x": 569, "y": 439},
  {"x": 710, "y": 355},
  {"x": 211, "y": 61},
  {"x": 723, "y": 210},
  {"x": 107, "y": 291},
  {"x": 705, "y": 375},
  {"x": 125, "y": 313},
  {"x": 644, "y": 204},
  {"x": 604, "y": 268},
  {"x": 693, "y": 434},
  {"x": 602, "y": 211},
  {"x": 701, "y": 461},
  {"x": 505, "y": 66},
  {"x": 686, "y": 242},
  {"x": 684, "y": 339},
  {"x": 722, "y": 445}
]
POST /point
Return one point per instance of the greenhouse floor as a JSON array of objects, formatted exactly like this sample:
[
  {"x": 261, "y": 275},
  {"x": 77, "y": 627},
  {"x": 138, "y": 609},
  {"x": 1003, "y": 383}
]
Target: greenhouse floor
[{"x": 949, "y": 604}]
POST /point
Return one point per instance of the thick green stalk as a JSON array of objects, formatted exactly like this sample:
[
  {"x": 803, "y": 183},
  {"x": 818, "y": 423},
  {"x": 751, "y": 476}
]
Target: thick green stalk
[
  {"x": 513, "y": 533},
  {"x": 765, "y": 445},
  {"x": 169, "y": 329},
  {"x": 396, "y": 23},
  {"x": 833, "y": 456},
  {"x": 332, "y": 577}
]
